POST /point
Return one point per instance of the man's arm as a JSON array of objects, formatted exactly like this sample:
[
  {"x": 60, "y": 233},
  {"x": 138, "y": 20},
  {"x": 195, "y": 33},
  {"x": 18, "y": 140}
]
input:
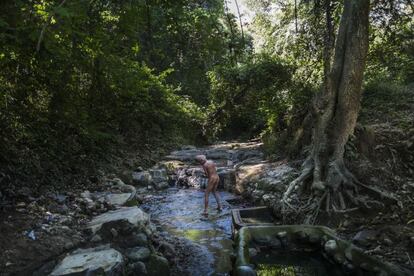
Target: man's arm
[{"x": 205, "y": 169}]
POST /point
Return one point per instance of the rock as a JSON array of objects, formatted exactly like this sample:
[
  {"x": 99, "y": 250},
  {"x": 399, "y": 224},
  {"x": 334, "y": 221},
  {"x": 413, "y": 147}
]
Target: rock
[
  {"x": 188, "y": 147},
  {"x": 118, "y": 199},
  {"x": 117, "y": 181},
  {"x": 157, "y": 266},
  {"x": 339, "y": 258},
  {"x": 140, "y": 239},
  {"x": 96, "y": 238},
  {"x": 217, "y": 153},
  {"x": 60, "y": 198},
  {"x": 133, "y": 215},
  {"x": 282, "y": 234},
  {"x": 184, "y": 155},
  {"x": 141, "y": 178},
  {"x": 114, "y": 232},
  {"x": 167, "y": 248},
  {"x": 137, "y": 268},
  {"x": 227, "y": 178},
  {"x": 252, "y": 252},
  {"x": 331, "y": 246},
  {"x": 161, "y": 185},
  {"x": 365, "y": 237},
  {"x": 138, "y": 253},
  {"x": 86, "y": 195},
  {"x": 249, "y": 154},
  {"x": 387, "y": 241},
  {"x": 158, "y": 175},
  {"x": 99, "y": 260}
]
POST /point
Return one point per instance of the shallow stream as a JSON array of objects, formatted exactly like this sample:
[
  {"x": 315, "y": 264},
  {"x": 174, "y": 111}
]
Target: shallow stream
[{"x": 178, "y": 212}]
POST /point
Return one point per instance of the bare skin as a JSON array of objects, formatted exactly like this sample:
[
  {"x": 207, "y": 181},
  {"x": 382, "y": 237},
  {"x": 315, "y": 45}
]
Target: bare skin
[{"x": 213, "y": 182}]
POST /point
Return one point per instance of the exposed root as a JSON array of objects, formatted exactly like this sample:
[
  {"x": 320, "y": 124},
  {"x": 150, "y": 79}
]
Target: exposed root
[
  {"x": 307, "y": 168},
  {"x": 338, "y": 194}
]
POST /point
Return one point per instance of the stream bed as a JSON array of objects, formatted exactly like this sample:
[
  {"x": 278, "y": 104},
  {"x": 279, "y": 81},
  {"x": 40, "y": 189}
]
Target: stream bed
[{"x": 208, "y": 243}]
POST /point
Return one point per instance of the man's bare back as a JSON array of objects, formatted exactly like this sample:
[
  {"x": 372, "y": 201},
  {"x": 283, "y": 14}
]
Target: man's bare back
[{"x": 213, "y": 181}]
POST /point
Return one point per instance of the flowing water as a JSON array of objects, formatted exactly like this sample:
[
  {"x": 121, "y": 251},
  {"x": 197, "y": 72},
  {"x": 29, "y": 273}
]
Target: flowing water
[{"x": 208, "y": 240}]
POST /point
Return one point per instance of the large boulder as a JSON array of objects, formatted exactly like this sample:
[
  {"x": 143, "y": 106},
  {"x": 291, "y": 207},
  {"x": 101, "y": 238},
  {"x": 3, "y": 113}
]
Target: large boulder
[
  {"x": 118, "y": 195},
  {"x": 133, "y": 215},
  {"x": 100, "y": 260}
]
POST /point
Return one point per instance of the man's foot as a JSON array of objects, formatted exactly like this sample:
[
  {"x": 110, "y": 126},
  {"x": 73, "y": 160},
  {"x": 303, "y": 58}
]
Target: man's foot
[
  {"x": 219, "y": 209},
  {"x": 205, "y": 213}
]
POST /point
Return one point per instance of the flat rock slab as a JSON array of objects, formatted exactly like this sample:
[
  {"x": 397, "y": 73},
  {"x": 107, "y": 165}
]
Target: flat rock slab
[
  {"x": 118, "y": 199},
  {"x": 109, "y": 261},
  {"x": 134, "y": 215}
]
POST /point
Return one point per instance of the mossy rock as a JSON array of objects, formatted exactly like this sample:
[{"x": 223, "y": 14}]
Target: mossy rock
[{"x": 157, "y": 266}]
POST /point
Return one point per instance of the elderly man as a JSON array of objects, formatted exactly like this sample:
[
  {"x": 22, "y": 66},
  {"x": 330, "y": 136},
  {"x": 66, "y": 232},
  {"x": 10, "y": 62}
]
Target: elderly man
[{"x": 213, "y": 181}]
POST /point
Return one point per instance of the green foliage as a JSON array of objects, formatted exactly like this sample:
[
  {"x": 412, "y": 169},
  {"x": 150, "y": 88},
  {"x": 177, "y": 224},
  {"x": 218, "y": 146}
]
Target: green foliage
[
  {"x": 248, "y": 97},
  {"x": 81, "y": 78}
]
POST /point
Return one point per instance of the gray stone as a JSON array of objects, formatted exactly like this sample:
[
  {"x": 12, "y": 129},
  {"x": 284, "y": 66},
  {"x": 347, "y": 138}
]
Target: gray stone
[
  {"x": 282, "y": 234},
  {"x": 108, "y": 261},
  {"x": 161, "y": 185},
  {"x": 137, "y": 268},
  {"x": 167, "y": 248},
  {"x": 228, "y": 178},
  {"x": 184, "y": 155},
  {"x": 139, "y": 253},
  {"x": 188, "y": 147},
  {"x": 365, "y": 237},
  {"x": 141, "y": 178},
  {"x": 118, "y": 199},
  {"x": 252, "y": 252},
  {"x": 387, "y": 241},
  {"x": 157, "y": 266},
  {"x": 114, "y": 232},
  {"x": 339, "y": 258},
  {"x": 140, "y": 239},
  {"x": 96, "y": 238},
  {"x": 133, "y": 215},
  {"x": 159, "y": 175},
  {"x": 331, "y": 246}
]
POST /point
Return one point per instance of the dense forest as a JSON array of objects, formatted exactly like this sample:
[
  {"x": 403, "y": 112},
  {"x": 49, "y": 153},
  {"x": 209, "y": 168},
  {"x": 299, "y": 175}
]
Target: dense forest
[
  {"x": 83, "y": 78},
  {"x": 98, "y": 87}
]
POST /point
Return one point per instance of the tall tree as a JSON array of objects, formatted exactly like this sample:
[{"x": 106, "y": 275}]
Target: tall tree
[{"x": 336, "y": 109}]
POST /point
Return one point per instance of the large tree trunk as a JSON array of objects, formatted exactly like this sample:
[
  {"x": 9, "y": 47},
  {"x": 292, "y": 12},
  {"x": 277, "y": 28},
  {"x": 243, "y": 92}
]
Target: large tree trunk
[{"x": 336, "y": 109}]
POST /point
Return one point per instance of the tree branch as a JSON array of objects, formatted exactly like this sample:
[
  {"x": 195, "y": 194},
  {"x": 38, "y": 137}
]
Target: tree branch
[{"x": 42, "y": 32}]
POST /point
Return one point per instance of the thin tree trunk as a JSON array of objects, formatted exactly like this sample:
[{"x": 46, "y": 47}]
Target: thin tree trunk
[
  {"x": 240, "y": 19},
  {"x": 42, "y": 32},
  {"x": 232, "y": 52}
]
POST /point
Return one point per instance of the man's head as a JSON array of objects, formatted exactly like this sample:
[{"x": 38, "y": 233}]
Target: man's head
[{"x": 201, "y": 159}]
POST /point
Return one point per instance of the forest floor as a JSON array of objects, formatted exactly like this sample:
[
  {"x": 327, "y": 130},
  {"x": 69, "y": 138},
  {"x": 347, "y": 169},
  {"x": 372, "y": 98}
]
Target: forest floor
[{"x": 58, "y": 221}]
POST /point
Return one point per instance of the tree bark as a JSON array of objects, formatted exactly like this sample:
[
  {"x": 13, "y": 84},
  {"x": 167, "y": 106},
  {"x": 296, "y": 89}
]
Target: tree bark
[{"x": 336, "y": 109}]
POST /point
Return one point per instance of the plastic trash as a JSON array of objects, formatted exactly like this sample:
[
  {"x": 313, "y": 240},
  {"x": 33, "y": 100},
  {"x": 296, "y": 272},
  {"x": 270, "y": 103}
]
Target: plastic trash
[
  {"x": 49, "y": 217},
  {"x": 31, "y": 235}
]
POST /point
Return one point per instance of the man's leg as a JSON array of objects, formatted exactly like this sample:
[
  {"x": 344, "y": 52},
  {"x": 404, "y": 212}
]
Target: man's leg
[
  {"x": 217, "y": 195},
  {"x": 209, "y": 188}
]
